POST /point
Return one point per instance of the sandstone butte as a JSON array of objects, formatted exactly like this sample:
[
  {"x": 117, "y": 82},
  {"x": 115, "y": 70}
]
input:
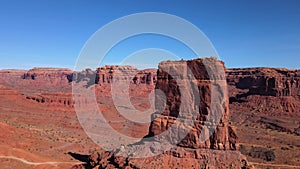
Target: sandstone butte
[{"x": 277, "y": 91}]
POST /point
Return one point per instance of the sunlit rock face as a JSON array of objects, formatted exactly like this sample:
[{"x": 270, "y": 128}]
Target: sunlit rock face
[{"x": 195, "y": 113}]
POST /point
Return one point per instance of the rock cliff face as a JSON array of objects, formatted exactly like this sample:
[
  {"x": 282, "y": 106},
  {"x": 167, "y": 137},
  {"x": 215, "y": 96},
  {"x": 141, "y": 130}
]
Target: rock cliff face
[
  {"x": 266, "y": 81},
  {"x": 274, "y": 90},
  {"x": 207, "y": 105},
  {"x": 53, "y": 99},
  {"x": 50, "y": 75},
  {"x": 105, "y": 75}
]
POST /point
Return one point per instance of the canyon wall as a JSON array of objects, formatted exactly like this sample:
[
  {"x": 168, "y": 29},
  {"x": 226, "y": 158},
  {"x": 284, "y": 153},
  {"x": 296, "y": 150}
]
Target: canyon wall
[
  {"x": 266, "y": 81},
  {"x": 274, "y": 90}
]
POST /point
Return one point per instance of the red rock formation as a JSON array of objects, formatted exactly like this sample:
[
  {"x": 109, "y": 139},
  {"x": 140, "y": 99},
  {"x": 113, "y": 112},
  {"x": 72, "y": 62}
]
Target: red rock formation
[
  {"x": 177, "y": 158},
  {"x": 53, "y": 86},
  {"x": 266, "y": 81},
  {"x": 50, "y": 75},
  {"x": 209, "y": 85},
  {"x": 38, "y": 80},
  {"x": 106, "y": 74},
  {"x": 53, "y": 99},
  {"x": 173, "y": 79},
  {"x": 265, "y": 93},
  {"x": 274, "y": 90}
]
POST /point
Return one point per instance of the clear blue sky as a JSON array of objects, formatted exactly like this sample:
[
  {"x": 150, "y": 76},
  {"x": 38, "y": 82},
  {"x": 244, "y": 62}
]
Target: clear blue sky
[{"x": 51, "y": 33}]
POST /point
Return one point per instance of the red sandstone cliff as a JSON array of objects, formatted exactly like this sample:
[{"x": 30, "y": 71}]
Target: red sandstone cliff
[
  {"x": 207, "y": 100},
  {"x": 275, "y": 90},
  {"x": 268, "y": 93},
  {"x": 266, "y": 81}
]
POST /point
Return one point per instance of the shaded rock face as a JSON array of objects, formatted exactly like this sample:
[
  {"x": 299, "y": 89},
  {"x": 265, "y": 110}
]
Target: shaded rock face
[
  {"x": 266, "y": 81},
  {"x": 106, "y": 75},
  {"x": 206, "y": 105},
  {"x": 50, "y": 75},
  {"x": 53, "y": 99},
  {"x": 269, "y": 91}
]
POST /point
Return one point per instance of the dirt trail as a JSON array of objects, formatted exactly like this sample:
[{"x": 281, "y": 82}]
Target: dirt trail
[
  {"x": 37, "y": 163},
  {"x": 274, "y": 165}
]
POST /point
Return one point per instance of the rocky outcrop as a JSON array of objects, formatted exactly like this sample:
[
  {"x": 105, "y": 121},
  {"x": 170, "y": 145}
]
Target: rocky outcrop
[
  {"x": 53, "y": 99},
  {"x": 206, "y": 105},
  {"x": 176, "y": 158},
  {"x": 266, "y": 81},
  {"x": 268, "y": 91},
  {"x": 265, "y": 90},
  {"x": 106, "y": 74},
  {"x": 50, "y": 75}
]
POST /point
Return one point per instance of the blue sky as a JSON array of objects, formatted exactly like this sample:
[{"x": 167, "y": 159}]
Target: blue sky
[{"x": 51, "y": 33}]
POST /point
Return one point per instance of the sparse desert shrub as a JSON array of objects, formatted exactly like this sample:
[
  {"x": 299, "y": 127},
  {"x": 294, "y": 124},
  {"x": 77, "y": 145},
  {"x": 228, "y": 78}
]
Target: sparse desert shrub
[
  {"x": 284, "y": 148},
  {"x": 243, "y": 149},
  {"x": 262, "y": 153}
]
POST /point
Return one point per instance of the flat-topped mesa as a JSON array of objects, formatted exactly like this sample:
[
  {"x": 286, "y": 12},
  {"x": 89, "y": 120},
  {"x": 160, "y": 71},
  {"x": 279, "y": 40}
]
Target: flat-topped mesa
[
  {"x": 107, "y": 74},
  {"x": 50, "y": 75},
  {"x": 266, "y": 81},
  {"x": 194, "y": 90}
]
